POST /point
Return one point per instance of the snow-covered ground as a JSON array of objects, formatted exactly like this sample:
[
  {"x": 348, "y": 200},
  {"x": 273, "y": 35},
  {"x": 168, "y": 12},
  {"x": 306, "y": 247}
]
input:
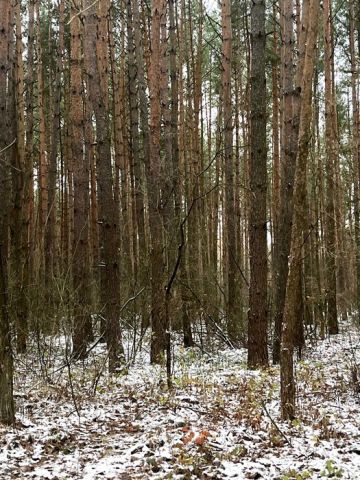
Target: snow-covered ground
[{"x": 219, "y": 421}]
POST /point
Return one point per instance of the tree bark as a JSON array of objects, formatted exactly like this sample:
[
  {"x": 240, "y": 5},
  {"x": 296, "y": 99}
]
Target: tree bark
[
  {"x": 331, "y": 154},
  {"x": 294, "y": 278},
  {"x": 257, "y": 319},
  {"x": 80, "y": 266},
  {"x": 231, "y": 300},
  {"x": 19, "y": 307},
  {"x": 7, "y": 410},
  {"x": 282, "y": 231},
  {"x": 42, "y": 159},
  {"x": 355, "y": 148},
  {"x": 96, "y": 60},
  {"x": 157, "y": 254}
]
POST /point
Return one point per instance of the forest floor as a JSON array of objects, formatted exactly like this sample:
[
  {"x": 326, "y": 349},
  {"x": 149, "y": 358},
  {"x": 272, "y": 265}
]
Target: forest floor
[{"x": 219, "y": 421}]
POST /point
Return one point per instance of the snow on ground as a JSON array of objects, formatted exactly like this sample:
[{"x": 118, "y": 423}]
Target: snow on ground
[{"x": 219, "y": 421}]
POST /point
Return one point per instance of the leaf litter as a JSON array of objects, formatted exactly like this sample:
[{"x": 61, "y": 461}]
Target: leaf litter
[{"x": 219, "y": 421}]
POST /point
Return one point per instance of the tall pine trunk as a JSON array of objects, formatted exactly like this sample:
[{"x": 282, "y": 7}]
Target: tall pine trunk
[
  {"x": 291, "y": 309},
  {"x": 96, "y": 60},
  {"x": 80, "y": 263},
  {"x": 257, "y": 320},
  {"x": 331, "y": 154},
  {"x": 7, "y": 413},
  {"x": 157, "y": 254}
]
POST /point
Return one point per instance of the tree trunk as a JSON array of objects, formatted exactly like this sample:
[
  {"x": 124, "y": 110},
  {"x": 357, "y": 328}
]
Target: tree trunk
[
  {"x": 355, "y": 148},
  {"x": 80, "y": 266},
  {"x": 7, "y": 413},
  {"x": 257, "y": 320},
  {"x": 51, "y": 261},
  {"x": 145, "y": 141},
  {"x": 18, "y": 226},
  {"x": 96, "y": 59},
  {"x": 42, "y": 159},
  {"x": 291, "y": 309},
  {"x": 157, "y": 260},
  {"x": 331, "y": 154},
  {"x": 282, "y": 232},
  {"x": 231, "y": 300}
]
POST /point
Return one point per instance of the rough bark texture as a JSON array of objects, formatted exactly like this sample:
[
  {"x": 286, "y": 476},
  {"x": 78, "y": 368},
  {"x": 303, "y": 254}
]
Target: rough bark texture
[
  {"x": 282, "y": 233},
  {"x": 355, "y": 147},
  {"x": 42, "y": 149},
  {"x": 28, "y": 233},
  {"x": 257, "y": 320},
  {"x": 51, "y": 257},
  {"x": 331, "y": 141},
  {"x": 145, "y": 141},
  {"x": 95, "y": 49},
  {"x": 157, "y": 260},
  {"x": 176, "y": 172},
  {"x": 19, "y": 307},
  {"x": 231, "y": 302},
  {"x": 140, "y": 246},
  {"x": 7, "y": 414},
  {"x": 276, "y": 174},
  {"x": 294, "y": 277},
  {"x": 81, "y": 270}
]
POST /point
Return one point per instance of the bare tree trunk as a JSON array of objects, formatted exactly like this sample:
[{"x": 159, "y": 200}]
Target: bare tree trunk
[
  {"x": 294, "y": 278},
  {"x": 50, "y": 236},
  {"x": 275, "y": 129},
  {"x": 138, "y": 178},
  {"x": 96, "y": 58},
  {"x": 282, "y": 232},
  {"x": 174, "y": 131},
  {"x": 80, "y": 262},
  {"x": 257, "y": 321},
  {"x": 355, "y": 148},
  {"x": 290, "y": 134},
  {"x": 28, "y": 232},
  {"x": 231, "y": 300},
  {"x": 157, "y": 260},
  {"x": 331, "y": 154},
  {"x": 42, "y": 159},
  {"x": 145, "y": 140},
  {"x": 18, "y": 225},
  {"x": 7, "y": 411}
]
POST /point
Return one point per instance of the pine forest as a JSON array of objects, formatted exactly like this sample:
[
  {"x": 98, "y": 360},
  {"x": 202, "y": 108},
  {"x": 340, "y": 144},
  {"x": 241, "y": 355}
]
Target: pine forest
[{"x": 179, "y": 239}]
